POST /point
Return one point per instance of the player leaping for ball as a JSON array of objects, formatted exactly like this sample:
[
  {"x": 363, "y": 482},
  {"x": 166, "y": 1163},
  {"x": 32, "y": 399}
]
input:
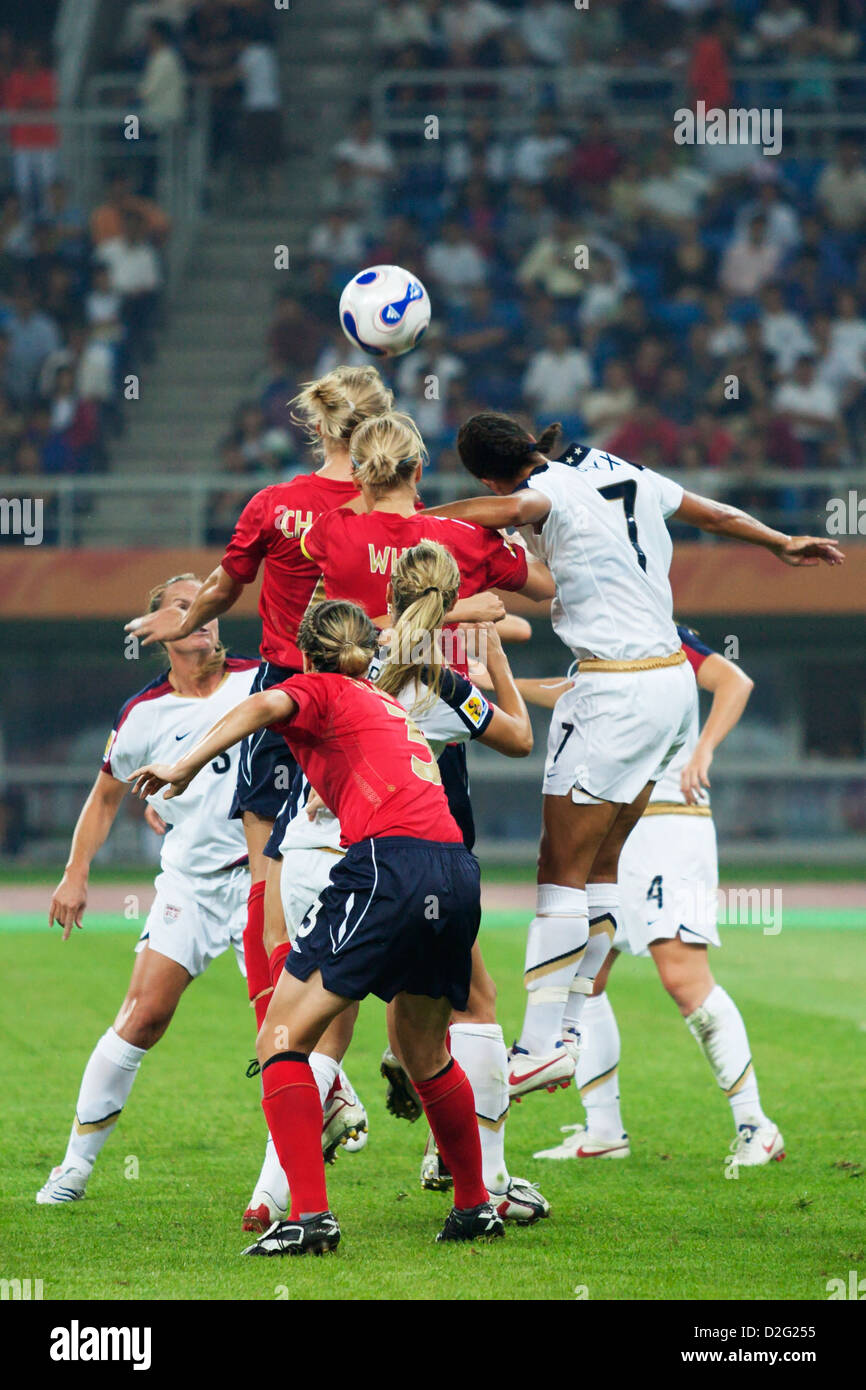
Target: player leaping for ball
[{"x": 599, "y": 524}]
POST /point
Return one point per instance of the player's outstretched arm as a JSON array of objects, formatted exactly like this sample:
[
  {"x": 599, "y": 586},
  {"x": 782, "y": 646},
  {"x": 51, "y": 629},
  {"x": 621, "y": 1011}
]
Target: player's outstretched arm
[
  {"x": 543, "y": 691},
  {"x": 509, "y": 731},
  {"x": 730, "y": 689},
  {"x": 514, "y": 509},
  {"x": 720, "y": 519},
  {"x": 98, "y": 813},
  {"x": 256, "y": 712},
  {"x": 217, "y": 595}
]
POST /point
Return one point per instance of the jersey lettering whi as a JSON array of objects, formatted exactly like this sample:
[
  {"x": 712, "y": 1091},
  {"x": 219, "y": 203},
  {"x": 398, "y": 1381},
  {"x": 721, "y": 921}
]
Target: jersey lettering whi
[
  {"x": 357, "y": 551},
  {"x": 609, "y": 550},
  {"x": 158, "y": 725},
  {"x": 368, "y": 761},
  {"x": 270, "y": 529}
]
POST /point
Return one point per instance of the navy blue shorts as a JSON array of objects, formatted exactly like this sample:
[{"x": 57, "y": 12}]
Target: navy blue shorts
[
  {"x": 266, "y": 767},
  {"x": 454, "y": 772},
  {"x": 398, "y": 914}
]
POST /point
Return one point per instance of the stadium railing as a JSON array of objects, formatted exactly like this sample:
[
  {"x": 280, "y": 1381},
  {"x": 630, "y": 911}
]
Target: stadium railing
[
  {"x": 817, "y": 102},
  {"x": 95, "y": 137},
  {"x": 797, "y": 501}
]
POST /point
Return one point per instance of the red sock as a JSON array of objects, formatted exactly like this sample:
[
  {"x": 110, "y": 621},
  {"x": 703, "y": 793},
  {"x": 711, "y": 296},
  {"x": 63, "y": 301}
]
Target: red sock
[
  {"x": 255, "y": 957},
  {"x": 450, "y": 1109},
  {"x": 277, "y": 962},
  {"x": 294, "y": 1115}
]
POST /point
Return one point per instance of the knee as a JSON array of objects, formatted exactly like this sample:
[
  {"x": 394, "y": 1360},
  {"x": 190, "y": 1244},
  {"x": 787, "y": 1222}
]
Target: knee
[
  {"x": 274, "y": 933},
  {"x": 146, "y": 1024},
  {"x": 687, "y": 989},
  {"x": 481, "y": 1005}
]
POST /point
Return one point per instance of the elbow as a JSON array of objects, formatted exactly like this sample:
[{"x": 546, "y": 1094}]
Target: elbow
[{"x": 523, "y": 743}]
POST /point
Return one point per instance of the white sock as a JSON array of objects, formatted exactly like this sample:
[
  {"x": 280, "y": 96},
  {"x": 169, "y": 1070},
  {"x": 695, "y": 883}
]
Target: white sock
[
  {"x": 597, "y": 1075},
  {"x": 557, "y": 939},
  {"x": 272, "y": 1181},
  {"x": 325, "y": 1070},
  {"x": 720, "y": 1033},
  {"x": 479, "y": 1048},
  {"x": 105, "y": 1086},
  {"x": 603, "y": 908}
]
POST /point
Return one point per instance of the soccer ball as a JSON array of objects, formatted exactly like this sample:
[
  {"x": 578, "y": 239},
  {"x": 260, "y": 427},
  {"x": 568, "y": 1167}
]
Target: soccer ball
[{"x": 384, "y": 310}]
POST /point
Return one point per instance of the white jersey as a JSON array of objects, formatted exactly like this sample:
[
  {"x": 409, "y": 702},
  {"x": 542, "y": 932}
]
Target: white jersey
[
  {"x": 157, "y": 725},
  {"x": 606, "y": 543}
]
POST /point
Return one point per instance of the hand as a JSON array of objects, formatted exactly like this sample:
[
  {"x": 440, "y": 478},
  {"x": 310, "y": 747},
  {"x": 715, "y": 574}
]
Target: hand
[
  {"x": 314, "y": 805},
  {"x": 694, "y": 776},
  {"x": 68, "y": 902},
  {"x": 155, "y": 821},
  {"x": 481, "y": 608},
  {"x": 479, "y": 674},
  {"x": 151, "y": 778},
  {"x": 165, "y": 625},
  {"x": 806, "y": 551}
]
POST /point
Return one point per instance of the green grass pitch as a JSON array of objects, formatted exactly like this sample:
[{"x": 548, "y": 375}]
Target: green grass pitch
[{"x": 665, "y": 1224}]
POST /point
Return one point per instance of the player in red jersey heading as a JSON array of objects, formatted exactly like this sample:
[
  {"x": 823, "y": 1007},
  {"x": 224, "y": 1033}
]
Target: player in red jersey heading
[{"x": 398, "y": 919}]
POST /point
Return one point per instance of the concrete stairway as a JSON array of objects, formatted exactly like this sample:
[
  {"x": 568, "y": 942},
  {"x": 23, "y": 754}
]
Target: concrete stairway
[{"x": 212, "y": 353}]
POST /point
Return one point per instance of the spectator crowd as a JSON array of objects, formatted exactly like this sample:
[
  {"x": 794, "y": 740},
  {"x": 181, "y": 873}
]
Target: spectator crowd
[{"x": 684, "y": 307}]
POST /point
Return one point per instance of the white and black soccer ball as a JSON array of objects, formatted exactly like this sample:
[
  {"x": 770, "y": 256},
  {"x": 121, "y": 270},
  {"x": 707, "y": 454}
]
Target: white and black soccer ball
[{"x": 384, "y": 310}]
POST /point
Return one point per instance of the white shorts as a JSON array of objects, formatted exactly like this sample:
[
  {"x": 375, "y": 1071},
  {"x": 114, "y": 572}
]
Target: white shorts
[
  {"x": 668, "y": 882},
  {"x": 310, "y": 849},
  {"x": 193, "y": 920},
  {"x": 305, "y": 874},
  {"x": 614, "y": 731}
]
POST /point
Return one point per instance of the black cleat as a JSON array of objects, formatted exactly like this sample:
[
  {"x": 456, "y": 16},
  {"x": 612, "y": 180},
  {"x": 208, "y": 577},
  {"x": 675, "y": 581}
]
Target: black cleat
[
  {"x": 312, "y": 1235},
  {"x": 402, "y": 1100},
  {"x": 475, "y": 1223}
]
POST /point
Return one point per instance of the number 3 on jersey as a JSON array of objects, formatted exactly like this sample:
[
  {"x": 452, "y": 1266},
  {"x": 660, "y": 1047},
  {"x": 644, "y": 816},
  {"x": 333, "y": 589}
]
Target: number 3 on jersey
[{"x": 626, "y": 493}]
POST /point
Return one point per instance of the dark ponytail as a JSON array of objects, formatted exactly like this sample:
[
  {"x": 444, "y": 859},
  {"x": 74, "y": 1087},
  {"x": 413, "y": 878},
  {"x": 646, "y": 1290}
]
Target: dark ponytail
[{"x": 497, "y": 447}]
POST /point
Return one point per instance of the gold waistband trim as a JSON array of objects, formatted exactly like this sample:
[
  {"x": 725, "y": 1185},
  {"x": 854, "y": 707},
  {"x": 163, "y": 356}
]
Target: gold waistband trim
[
  {"x": 675, "y": 808},
  {"x": 647, "y": 663}
]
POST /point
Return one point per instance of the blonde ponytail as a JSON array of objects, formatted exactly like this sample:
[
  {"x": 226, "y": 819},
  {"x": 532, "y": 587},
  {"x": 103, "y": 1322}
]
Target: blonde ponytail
[
  {"x": 386, "y": 450},
  {"x": 331, "y": 407},
  {"x": 425, "y": 582}
]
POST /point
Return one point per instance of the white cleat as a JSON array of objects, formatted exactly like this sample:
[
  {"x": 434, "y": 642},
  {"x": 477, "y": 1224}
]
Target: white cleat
[
  {"x": 521, "y": 1202},
  {"x": 63, "y": 1185},
  {"x": 581, "y": 1144},
  {"x": 757, "y": 1144},
  {"x": 435, "y": 1177},
  {"x": 343, "y": 1118},
  {"x": 527, "y": 1073},
  {"x": 264, "y": 1209}
]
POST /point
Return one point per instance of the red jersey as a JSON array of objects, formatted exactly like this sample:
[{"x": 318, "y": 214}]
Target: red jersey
[
  {"x": 270, "y": 528},
  {"x": 368, "y": 761},
  {"x": 356, "y": 552}
]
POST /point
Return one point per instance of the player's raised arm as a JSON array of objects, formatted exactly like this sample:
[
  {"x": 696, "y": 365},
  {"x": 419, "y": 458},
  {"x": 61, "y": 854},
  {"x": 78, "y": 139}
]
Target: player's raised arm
[
  {"x": 272, "y": 706},
  {"x": 730, "y": 689},
  {"x": 98, "y": 813},
  {"x": 175, "y": 621},
  {"x": 720, "y": 519},
  {"x": 523, "y": 508},
  {"x": 543, "y": 691},
  {"x": 509, "y": 731}
]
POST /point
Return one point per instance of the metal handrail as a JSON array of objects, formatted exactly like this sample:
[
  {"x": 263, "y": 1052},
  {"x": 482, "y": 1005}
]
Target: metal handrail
[
  {"x": 535, "y": 82},
  {"x": 196, "y": 488}
]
